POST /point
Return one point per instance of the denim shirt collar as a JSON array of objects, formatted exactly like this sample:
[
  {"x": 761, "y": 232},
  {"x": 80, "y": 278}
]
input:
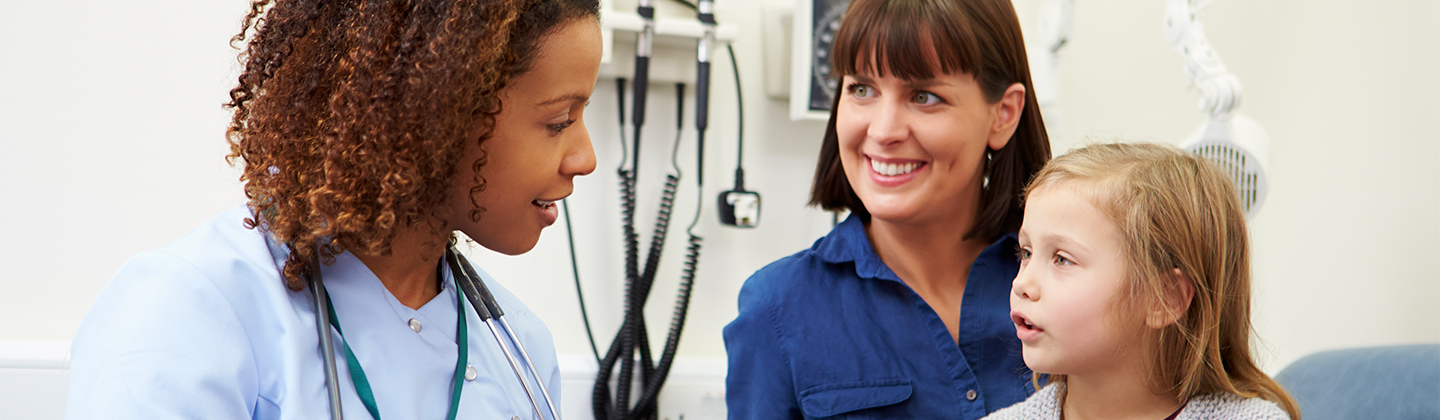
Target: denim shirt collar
[{"x": 848, "y": 242}]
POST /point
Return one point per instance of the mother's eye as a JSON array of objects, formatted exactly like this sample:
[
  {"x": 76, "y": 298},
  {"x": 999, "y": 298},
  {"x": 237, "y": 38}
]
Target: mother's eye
[
  {"x": 860, "y": 90},
  {"x": 926, "y": 98}
]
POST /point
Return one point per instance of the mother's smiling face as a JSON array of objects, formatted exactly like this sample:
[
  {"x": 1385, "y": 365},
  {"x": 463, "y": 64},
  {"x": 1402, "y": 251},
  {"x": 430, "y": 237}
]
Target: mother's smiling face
[{"x": 914, "y": 150}]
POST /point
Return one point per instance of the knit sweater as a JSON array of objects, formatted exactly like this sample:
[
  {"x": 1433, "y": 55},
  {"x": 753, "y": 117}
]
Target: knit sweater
[{"x": 1045, "y": 405}]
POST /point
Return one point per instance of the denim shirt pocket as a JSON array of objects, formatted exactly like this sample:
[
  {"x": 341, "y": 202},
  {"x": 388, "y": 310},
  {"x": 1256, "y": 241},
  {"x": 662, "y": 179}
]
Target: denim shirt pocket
[{"x": 846, "y": 397}]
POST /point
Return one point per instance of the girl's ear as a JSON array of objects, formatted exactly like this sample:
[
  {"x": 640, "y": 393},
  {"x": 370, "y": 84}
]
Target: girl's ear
[{"x": 1178, "y": 294}]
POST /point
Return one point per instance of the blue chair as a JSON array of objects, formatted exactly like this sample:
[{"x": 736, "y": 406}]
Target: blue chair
[{"x": 1393, "y": 383}]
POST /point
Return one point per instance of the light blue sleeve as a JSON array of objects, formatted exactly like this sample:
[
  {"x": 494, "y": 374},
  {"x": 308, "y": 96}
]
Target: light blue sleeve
[{"x": 161, "y": 342}]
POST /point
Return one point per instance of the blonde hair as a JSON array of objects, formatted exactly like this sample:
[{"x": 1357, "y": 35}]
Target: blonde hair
[{"x": 1176, "y": 210}]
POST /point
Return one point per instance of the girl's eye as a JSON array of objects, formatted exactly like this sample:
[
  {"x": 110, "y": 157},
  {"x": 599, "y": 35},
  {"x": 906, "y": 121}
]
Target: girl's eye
[
  {"x": 1022, "y": 254},
  {"x": 1061, "y": 260},
  {"x": 557, "y": 128},
  {"x": 860, "y": 91},
  {"x": 926, "y": 98}
]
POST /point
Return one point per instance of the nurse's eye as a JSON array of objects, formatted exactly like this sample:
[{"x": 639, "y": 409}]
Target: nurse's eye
[
  {"x": 558, "y": 128},
  {"x": 860, "y": 90},
  {"x": 926, "y": 98}
]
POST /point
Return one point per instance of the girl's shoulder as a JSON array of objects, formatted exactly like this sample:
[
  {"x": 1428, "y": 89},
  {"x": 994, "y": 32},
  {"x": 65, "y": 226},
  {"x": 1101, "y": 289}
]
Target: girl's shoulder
[
  {"x": 1043, "y": 405},
  {"x": 1224, "y": 405}
]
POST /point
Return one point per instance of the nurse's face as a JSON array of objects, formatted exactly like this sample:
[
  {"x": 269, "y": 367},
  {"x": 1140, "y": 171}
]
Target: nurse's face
[
  {"x": 914, "y": 150},
  {"x": 538, "y": 146}
]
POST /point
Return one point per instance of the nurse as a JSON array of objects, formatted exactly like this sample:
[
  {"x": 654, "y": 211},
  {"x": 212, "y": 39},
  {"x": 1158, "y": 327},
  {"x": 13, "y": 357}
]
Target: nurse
[
  {"x": 902, "y": 311},
  {"x": 369, "y": 133}
]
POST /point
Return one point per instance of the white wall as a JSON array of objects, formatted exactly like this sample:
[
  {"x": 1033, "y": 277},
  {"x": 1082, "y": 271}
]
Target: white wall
[
  {"x": 111, "y": 143},
  {"x": 1350, "y": 95}
]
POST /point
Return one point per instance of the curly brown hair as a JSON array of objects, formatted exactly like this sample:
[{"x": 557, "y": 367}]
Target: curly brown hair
[{"x": 351, "y": 117}]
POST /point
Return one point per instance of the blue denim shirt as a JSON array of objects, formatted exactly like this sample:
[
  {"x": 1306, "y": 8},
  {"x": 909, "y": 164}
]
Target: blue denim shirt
[{"x": 831, "y": 331}]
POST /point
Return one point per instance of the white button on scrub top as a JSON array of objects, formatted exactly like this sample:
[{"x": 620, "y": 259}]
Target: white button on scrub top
[
  {"x": 415, "y": 324},
  {"x": 470, "y": 373}
]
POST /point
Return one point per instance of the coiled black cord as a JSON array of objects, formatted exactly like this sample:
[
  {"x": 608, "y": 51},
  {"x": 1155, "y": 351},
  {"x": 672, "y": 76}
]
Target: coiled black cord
[
  {"x": 662, "y": 226},
  {"x": 646, "y": 406},
  {"x": 633, "y": 332},
  {"x": 624, "y": 343},
  {"x": 633, "y": 335}
]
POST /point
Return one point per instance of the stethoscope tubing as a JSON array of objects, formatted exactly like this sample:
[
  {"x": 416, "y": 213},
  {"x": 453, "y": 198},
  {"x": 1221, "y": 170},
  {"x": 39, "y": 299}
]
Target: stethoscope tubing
[
  {"x": 543, "y": 391},
  {"x": 327, "y": 344},
  {"x": 491, "y": 314},
  {"x": 515, "y": 367},
  {"x": 485, "y": 307}
]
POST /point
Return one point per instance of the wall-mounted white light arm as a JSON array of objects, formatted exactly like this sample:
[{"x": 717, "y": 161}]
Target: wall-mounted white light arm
[
  {"x": 1219, "y": 89},
  {"x": 1237, "y": 144}
]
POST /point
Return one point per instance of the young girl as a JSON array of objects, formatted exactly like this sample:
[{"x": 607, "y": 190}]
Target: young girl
[{"x": 1133, "y": 293}]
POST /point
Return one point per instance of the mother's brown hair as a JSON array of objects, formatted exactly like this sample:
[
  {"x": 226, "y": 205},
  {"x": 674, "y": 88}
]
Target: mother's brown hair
[
  {"x": 977, "y": 37},
  {"x": 351, "y": 116}
]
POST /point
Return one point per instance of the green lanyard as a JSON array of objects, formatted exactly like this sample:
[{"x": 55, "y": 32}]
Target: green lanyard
[{"x": 362, "y": 385}]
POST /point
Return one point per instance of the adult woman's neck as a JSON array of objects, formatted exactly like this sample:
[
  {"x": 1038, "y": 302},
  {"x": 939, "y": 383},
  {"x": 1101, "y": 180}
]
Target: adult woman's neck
[
  {"x": 932, "y": 258},
  {"x": 408, "y": 271},
  {"x": 1116, "y": 392}
]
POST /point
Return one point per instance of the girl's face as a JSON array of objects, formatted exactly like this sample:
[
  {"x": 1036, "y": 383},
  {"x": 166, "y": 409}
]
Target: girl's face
[
  {"x": 1072, "y": 268},
  {"x": 538, "y": 146},
  {"x": 914, "y": 150}
]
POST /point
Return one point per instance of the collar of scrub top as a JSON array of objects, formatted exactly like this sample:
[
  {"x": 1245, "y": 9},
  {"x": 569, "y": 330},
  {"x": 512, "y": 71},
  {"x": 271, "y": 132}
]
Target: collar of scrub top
[{"x": 357, "y": 374}]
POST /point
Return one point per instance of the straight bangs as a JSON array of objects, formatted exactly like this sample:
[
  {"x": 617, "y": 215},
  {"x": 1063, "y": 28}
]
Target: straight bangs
[{"x": 909, "y": 39}]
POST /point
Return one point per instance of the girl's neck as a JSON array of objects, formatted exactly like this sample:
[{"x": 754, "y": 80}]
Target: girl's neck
[
  {"x": 408, "y": 271},
  {"x": 1120, "y": 393}
]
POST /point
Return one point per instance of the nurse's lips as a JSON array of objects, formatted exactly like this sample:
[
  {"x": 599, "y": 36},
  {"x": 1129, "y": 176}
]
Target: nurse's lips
[{"x": 548, "y": 211}]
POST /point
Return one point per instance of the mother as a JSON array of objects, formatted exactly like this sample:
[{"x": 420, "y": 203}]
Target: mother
[{"x": 902, "y": 310}]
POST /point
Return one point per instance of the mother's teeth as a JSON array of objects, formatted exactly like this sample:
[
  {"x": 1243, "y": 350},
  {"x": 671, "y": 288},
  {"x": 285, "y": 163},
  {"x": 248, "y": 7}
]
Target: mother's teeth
[{"x": 893, "y": 169}]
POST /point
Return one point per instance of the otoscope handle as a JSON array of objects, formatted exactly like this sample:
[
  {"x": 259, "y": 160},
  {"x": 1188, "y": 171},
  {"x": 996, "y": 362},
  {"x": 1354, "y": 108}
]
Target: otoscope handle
[
  {"x": 702, "y": 95},
  {"x": 642, "y": 82},
  {"x": 702, "y": 115},
  {"x": 680, "y": 105}
]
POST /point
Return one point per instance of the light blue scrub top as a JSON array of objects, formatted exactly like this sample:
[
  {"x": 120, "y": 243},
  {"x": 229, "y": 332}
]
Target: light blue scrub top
[{"x": 203, "y": 328}]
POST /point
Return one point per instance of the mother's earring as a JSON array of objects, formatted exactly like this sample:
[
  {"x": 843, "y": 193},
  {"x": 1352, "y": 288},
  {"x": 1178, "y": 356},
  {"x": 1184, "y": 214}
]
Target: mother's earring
[{"x": 985, "y": 175}]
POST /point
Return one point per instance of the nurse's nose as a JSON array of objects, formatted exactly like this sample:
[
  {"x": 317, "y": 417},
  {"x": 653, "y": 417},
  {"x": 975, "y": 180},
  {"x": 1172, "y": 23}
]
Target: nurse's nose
[{"x": 580, "y": 159}]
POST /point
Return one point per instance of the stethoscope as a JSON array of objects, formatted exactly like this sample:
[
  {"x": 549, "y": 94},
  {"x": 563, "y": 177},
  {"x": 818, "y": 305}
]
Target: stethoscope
[{"x": 485, "y": 306}]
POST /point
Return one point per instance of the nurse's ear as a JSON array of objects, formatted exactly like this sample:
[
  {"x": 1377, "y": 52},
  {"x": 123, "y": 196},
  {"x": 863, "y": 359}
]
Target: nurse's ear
[{"x": 1005, "y": 116}]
